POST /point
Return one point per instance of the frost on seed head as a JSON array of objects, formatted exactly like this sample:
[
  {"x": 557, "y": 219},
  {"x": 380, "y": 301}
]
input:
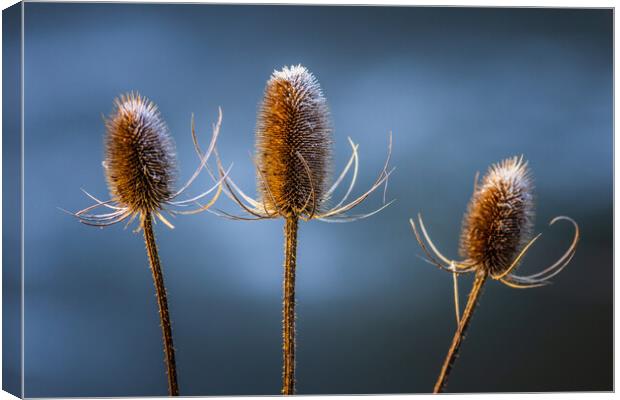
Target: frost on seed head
[
  {"x": 140, "y": 159},
  {"x": 499, "y": 217},
  {"x": 293, "y": 141}
]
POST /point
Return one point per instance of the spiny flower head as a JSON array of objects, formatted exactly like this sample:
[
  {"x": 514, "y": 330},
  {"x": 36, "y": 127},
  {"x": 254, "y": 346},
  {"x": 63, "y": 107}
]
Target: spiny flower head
[
  {"x": 293, "y": 141},
  {"x": 140, "y": 168},
  {"x": 139, "y": 159},
  {"x": 293, "y": 157},
  {"x": 500, "y": 216},
  {"x": 497, "y": 228}
]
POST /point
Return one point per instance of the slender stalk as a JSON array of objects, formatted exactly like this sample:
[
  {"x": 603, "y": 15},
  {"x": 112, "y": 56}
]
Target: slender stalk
[
  {"x": 472, "y": 301},
  {"x": 162, "y": 301},
  {"x": 457, "y": 307},
  {"x": 288, "y": 306}
]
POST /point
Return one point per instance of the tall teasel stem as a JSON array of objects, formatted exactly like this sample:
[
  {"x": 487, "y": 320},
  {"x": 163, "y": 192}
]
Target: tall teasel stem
[
  {"x": 472, "y": 301},
  {"x": 293, "y": 154},
  {"x": 140, "y": 167},
  {"x": 496, "y": 235},
  {"x": 288, "y": 305},
  {"x": 162, "y": 302}
]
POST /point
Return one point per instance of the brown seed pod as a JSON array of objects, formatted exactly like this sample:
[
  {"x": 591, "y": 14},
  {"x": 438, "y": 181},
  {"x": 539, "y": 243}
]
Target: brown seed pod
[
  {"x": 293, "y": 157},
  {"x": 497, "y": 229},
  {"x": 140, "y": 168},
  {"x": 293, "y": 142},
  {"x": 140, "y": 159},
  {"x": 500, "y": 216}
]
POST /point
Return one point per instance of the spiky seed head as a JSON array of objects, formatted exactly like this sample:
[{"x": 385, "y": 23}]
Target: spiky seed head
[
  {"x": 140, "y": 159},
  {"x": 293, "y": 126},
  {"x": 499, "y": 217}
]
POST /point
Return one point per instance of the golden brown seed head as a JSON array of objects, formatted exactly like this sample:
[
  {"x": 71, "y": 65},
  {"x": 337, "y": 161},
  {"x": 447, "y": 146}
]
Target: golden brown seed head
[
  {"x": 140, "y": 156},
  {"x": 293, "y": 127},
  {"x": 500, "y": 216}
]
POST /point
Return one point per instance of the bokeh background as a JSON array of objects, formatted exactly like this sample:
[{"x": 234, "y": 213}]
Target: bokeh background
[{"x": 459, "y": 88}]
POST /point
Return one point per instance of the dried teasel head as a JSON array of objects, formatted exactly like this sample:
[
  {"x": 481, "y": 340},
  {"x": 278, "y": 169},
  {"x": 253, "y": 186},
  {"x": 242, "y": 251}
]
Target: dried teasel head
[
  {"x": 500, "y": 216},
  {"x": 293, "y": 146},
  {"x": 497, "y": 229},
  {"x": 140, "y": 167},
  {"x": 139, "y": 158},
  {"x": 496, "y": 235},
  {"x": 293, "y": 142}
]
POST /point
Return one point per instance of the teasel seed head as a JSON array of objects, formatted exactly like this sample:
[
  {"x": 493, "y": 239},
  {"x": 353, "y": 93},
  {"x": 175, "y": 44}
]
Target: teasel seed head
[
  {"x": 293, "y": 142},
  {"x": 139, "y": 159},
  {"x": 293, "y": 157},
  {"x": 500, "y": 216},
  {"x": 497, "y": 231}
]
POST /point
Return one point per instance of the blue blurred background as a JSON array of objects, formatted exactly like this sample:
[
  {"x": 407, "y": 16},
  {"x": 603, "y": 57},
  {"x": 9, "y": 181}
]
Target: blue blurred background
[{"x": 459, "y": 88}]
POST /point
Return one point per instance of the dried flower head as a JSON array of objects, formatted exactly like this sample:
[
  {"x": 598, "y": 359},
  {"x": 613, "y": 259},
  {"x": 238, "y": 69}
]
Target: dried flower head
[
  {"x": 293, "y": 144},
  {"x": 500, "y": 216},
  {"x": 496, "y": 235},
  {"x": 140, "y": 167},
  {"x": 293, "y": 141},
  {"x": 140, "y": 157},
  {"x": 497, "y": 229}
]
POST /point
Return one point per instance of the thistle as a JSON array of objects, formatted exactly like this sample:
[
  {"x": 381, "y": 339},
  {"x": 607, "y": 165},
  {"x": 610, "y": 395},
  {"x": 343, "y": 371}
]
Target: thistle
[
  {"x": 293, "y": 154},
  {"x": 140, "y": 171},
  {"x": 496, "y": 235}
]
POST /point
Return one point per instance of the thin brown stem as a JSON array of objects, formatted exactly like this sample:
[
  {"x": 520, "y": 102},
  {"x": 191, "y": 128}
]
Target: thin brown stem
[
  {"x": 472, "y": 301},
  {"x": 162, "y": 301},
  {"x": 288, "y": 306}
]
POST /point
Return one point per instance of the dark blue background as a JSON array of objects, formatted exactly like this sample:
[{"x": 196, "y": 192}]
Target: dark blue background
[{"x": 460, "y": 89}]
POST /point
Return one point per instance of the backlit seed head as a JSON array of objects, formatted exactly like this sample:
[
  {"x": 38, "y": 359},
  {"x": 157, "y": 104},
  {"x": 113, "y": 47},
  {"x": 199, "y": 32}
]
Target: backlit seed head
[
  {"x": 293, "y": 142},
  {"x": 140, "y": 159},
  {"x": 499, "y": 217}
]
